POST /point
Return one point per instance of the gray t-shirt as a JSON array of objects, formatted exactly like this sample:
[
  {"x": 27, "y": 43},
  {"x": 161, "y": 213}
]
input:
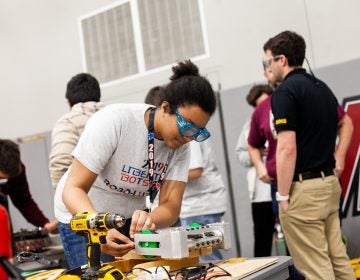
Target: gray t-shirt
[
  {"x": 207, "y": 194},
  {"x": 114, "y": 145}
]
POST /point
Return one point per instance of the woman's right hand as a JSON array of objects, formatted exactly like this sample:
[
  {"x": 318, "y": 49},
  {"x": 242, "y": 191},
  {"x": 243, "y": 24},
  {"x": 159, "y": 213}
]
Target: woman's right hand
[{"x": 113, "y": 248}]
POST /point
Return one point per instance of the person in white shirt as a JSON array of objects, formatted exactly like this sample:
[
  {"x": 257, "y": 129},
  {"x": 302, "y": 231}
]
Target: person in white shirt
[{"x": 259, "y": 192}]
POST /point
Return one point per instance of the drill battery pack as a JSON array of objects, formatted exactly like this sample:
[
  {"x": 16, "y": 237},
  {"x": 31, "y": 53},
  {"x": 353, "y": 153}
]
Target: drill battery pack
[{"x": 355, "y": 263}]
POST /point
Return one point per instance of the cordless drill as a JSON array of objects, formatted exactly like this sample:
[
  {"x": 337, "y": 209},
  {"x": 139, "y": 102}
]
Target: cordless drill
[{"x": 94, "y": 226}]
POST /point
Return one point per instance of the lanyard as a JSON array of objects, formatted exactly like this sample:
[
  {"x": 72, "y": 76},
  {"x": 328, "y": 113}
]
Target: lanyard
[{"x": 154, "y": 186}]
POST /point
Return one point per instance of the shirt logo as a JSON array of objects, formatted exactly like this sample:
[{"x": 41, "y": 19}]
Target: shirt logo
[{"x": 280, "y": 121}]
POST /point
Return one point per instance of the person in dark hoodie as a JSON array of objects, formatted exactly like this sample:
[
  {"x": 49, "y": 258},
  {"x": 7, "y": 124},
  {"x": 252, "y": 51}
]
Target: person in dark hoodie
[{"x": 14, "y": 184}]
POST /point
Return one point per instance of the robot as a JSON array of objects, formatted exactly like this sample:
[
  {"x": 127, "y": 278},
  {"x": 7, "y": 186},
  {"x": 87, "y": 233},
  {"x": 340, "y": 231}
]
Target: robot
[
  {"x": 169, "y": 243},
  {"x": 180, "y": 242}
]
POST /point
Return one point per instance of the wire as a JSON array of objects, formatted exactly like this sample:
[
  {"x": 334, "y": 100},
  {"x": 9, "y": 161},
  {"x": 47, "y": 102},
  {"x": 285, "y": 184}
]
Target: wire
[
  {"x": 167, "y": 272},
  {"x": 131, "y": 271},
  {"x": 311, "y": 72},
  {"x": 192, "y": 273},
  {"x": 148, "y": 271},
  {"x": 32, "y": 257}
]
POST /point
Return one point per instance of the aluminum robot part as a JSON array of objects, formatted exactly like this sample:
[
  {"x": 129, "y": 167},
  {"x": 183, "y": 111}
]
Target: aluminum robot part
[
  {"x": 178, "y": 241},
  {"x": 170, "y": 243},
  {"x": 216, "y": 235}
]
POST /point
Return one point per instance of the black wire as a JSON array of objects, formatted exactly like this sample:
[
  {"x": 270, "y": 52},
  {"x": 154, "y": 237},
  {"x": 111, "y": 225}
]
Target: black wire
[
  {"x": 311, "y": 72},
  {"x": 167, "y": 272},
  {"x": 211, "y": 265},
  {"x": 191, "y": 272},
  {"x": 140, "y": 268},
  {"x": 148, "y": 271}
]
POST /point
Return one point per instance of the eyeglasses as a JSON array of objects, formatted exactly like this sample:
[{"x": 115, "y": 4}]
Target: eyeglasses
[
  {"x": 190, "y": 130},
  {"x": 267, "y": 61}
]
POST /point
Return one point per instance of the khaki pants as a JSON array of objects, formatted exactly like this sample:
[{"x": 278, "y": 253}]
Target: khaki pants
[{"x": 312, "y": 230}]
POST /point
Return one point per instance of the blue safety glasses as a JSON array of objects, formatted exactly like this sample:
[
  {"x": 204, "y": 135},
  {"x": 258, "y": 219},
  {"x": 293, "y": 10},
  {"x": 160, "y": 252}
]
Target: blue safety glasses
[{"x": 190, "y": 130}]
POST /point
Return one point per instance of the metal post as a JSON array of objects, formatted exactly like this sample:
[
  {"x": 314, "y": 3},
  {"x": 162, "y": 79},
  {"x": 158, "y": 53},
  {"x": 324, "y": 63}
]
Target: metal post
[{"x": 228, "y": 175}]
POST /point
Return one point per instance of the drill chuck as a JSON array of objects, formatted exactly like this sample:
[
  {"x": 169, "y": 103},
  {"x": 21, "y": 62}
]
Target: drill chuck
[{"x": 114, "y": 221}]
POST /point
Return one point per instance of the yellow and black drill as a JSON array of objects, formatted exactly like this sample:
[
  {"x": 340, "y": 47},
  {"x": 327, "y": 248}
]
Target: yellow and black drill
[{"x": 94, "y": 226}]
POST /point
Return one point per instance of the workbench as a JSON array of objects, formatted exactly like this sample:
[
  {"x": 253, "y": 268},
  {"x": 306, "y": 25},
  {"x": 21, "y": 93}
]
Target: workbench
[
  {"x": 277, "y": 271},
  {"x": 274, "y": 267}
]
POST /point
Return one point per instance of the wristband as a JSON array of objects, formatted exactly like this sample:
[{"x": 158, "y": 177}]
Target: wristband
[{"x": 280, "y": 197}]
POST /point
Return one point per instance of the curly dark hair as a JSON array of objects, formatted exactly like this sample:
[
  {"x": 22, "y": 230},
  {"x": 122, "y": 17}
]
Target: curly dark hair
[
  {"x": 10, "y": 163},
  {"x": 256, "y": 91},
  {"x": 82, "y": 88},
  {"x": 290, "y": 44},
  {"x": 155, "y": 96},
  {"x": 188, "y": 87}
]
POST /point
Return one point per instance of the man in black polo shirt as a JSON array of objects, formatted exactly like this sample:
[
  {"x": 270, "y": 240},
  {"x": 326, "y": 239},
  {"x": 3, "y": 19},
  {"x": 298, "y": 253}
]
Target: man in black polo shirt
[{"x": 306, "y": 120}]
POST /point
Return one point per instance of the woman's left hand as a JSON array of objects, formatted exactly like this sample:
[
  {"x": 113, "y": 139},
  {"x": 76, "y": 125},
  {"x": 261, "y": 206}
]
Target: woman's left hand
[{"x": 112, "y": 246}]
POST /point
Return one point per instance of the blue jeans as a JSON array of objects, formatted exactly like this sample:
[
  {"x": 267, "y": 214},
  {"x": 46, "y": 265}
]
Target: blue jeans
[
  {"x": 275, "y": 204},
  {"x": 75, "y": 247},
  {"x": 205, "y": 219}
]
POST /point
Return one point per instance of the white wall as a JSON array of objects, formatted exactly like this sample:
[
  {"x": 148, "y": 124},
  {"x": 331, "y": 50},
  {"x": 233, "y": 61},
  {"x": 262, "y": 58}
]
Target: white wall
[{"x": 40, "y": 50}]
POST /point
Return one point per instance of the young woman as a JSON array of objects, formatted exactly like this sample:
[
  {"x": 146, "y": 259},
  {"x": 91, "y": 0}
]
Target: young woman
[{"x": 128, "y": 151}]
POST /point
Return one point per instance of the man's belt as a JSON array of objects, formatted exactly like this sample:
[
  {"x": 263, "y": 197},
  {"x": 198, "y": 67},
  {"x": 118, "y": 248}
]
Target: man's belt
[{"x": 312, "y": 175}]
